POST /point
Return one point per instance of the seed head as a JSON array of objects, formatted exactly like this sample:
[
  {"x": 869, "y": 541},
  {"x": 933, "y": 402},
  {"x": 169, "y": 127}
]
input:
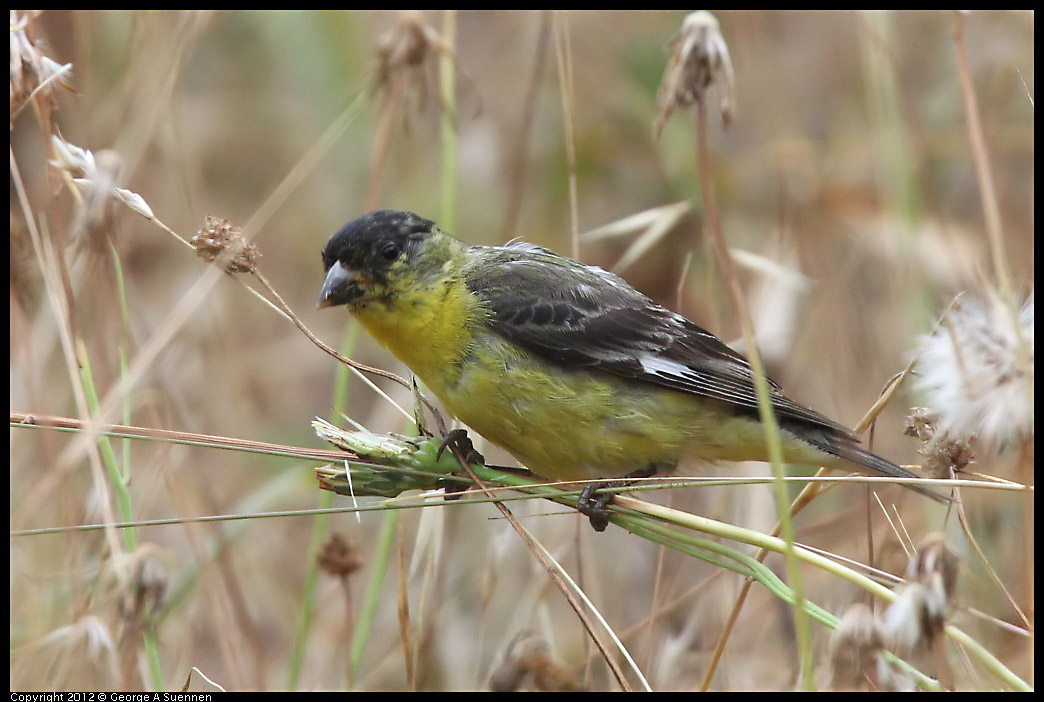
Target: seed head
[
  {"x": 977, "y": 371},
  {"x": 699, "y": 60}
]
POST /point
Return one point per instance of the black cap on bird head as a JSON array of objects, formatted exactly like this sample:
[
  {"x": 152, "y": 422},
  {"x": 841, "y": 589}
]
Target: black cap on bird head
[{"x": 367, "y": 246}]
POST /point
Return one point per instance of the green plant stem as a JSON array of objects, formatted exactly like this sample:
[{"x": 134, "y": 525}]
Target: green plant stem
[
  {"x": 319, "y": 527},
  {"x": 120, "y": 481},
  {"x": 374, "y": 590},
  {"x": 765, "y": 411}
]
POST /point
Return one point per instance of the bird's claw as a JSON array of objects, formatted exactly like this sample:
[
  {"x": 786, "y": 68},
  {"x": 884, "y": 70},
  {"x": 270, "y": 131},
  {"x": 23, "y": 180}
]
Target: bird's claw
[
  {"x": 595, "y": 498},
  {"x": 593, "y": 503},
  {"x": 458, "y": 439}
]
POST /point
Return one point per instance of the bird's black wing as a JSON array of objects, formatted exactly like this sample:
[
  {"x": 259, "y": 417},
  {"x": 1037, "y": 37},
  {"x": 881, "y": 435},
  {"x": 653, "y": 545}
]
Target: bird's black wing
[{"x": 583, "y": 316}]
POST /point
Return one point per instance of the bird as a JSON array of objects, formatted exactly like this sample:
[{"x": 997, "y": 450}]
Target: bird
[{"x": 566, "y": 366}]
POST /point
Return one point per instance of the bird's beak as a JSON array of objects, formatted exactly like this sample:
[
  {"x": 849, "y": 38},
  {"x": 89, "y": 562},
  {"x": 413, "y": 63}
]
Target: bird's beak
[{"x": 340, "y": 287}]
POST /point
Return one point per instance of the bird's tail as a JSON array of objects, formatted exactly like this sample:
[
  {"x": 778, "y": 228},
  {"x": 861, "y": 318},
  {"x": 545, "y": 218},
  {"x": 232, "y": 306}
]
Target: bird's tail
[{"x": 867, "y": 461}]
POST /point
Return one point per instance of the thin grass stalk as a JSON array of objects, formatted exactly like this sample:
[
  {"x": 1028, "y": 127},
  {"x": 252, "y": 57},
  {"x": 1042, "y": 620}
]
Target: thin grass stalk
[
  {"x": 537, "y": 550},
  {"x": 151, "y": 648},
  {"x": 448, "y": 123},
  {"x": 374, "y": 591},
  {"x": 517, "y": 179},
  {"x": 768, "y": 419},
  {"x": 342, "y": 377},
  {"x": 995, "y": 236},
  {"x": 120, "y": 482},
  {"x": 125, "y": 444},
  {"x": 564, "y": 56},
  {"x": 404, "y": 616}
]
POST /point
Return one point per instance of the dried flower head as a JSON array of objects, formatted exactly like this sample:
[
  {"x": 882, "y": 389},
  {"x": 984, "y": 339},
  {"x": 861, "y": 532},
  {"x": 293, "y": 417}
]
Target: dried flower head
[
  {"x": 944, "y": 455},
  {"x": 142, "y": 596},
  {"x": 32, "y": 72},
  {"x": 700, "y": 59},
  {"x": 529, "y": 654},
  {"x": 141, "y": 580},
  {"x": 918, "y": 615},
  {"x": 338, "y": 558},
  {"x": 921, "y": 424},
  {"x": 220, "y": 240},
  {"x": 406, "y": 56},
  {"x": 935, "y": 564},
  {"x": 88, "y": 633},
  {"x": 977, "y": 371},
  {"x": 73, "y": 162},
  {"x": 93, "y": 180},
  {"x": 855, "y": 647}
]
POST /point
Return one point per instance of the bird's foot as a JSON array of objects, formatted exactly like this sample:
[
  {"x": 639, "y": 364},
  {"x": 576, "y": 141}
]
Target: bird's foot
[
  {"x": 595, "y": 498},
  {"x": 594, "y": 506},
  {"x": 458, "y": 439}
]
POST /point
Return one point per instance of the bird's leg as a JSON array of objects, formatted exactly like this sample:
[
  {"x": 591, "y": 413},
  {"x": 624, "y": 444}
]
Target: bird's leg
[
  {"x": 593, "y": 505},
  {"x": 458, "y": 439}
]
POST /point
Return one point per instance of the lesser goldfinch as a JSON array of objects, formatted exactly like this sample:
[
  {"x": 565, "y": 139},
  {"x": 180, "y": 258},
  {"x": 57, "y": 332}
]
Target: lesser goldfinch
[{"x": 566, "y": 366}]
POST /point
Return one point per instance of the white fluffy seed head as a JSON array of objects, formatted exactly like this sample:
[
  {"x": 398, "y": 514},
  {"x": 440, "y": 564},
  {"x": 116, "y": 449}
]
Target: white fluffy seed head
[{"x": 977, "y": 371}]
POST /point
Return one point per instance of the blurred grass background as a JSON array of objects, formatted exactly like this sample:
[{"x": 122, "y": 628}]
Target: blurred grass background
[{"x": 847, "y": 162}]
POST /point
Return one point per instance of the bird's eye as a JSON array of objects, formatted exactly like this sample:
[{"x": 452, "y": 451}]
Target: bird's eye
[{"x": 390, "y": 251}]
